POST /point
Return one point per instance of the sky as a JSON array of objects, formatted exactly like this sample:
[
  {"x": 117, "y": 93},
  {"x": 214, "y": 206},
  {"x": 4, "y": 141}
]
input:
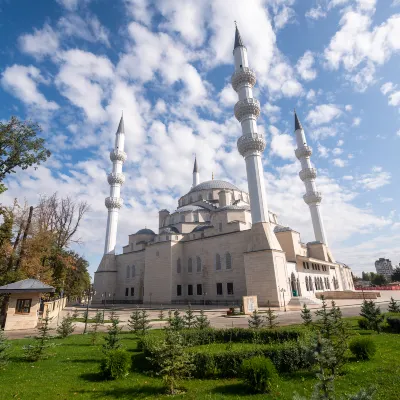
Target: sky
[{"x": 74, "y": 65}]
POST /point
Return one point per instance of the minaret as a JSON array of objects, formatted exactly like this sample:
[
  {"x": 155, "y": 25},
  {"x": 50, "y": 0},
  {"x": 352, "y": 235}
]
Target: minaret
[
  {"x": 116, "y": 178},
  {"x": 307, "y": 175},
  {"x": 196, "y": 175},
  {"x": 251, "y": 144}
]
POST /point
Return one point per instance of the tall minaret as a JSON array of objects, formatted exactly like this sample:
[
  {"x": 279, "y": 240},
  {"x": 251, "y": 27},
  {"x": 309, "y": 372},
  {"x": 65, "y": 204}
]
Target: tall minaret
[
  {"x": 251, "y": 144},
  {"x": 196, "y": 175},
  {"x": 307, "y": 175},
  {"x": 116, "y": 178}
]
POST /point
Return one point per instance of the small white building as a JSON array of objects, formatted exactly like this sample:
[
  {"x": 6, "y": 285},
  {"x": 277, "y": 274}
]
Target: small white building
[{"x": 222, "y": 243}]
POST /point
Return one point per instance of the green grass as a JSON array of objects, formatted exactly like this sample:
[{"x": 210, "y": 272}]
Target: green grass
[
  {"x": 71, "y": 372},
  {"x": 90, "y": 320}
]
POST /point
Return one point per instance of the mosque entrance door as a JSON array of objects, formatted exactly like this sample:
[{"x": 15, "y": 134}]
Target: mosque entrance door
[{"x": 293, "y": 285}]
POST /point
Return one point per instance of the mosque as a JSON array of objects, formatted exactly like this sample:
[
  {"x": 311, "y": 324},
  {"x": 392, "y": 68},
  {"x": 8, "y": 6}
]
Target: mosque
[{"x": 221, "y": 243}]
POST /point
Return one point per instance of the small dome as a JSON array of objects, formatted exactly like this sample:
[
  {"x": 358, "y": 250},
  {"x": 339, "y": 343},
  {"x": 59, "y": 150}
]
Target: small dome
[
  {"x": 202, "y": 228},
  {"x": 145, "y": 231},
  {"x": 214, "y": 184}
]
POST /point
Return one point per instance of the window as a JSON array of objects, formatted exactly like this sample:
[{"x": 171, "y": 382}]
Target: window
[
  {"x": 304, "y": 265},
  {"x": 23, "y": 306},
  {"x": 228, "y": 260},
  {"x": 316, "y": 283},
  {"x": 182, "y": 218},
  {"x": 217, "y": 262},
  {"x": 310, "y": 282},
  {"x": 127, "y": 272},
  {"x": 319, "y": 267},
  {"x": 190, "y": 267},
  {"x": 219, "y": 289},
  {"x": 229, "y": 287},
  {"x": 190, "y": 290},
  {"x": 307, "y": 287},
  {"x": 220, "y": 227},
  {"x": 132, "y": 291},
  {"x": 198, "y": 263},
  {"x": 321, "y": 283},
  {"x": 179, "y": 290},
  {"x": 178, "y": 265},
  {"x": 133, "y": 271},
  {"x": 199, "y": 289},
  {"x": 196, "y": 217},
  {"x": 126, "y": 291}
]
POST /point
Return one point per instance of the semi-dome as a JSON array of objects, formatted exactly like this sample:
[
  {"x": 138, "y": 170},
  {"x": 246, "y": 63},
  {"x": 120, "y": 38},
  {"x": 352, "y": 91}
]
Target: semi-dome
[
  {"x": 201, "y": 228},
  {"x": 170, "y": 230},
  {"x": 214, "y": 184},
  {"x": 234, "y": 207},
  {"x": 145, "y": 231},
  {"x": 189, "y": 208}
]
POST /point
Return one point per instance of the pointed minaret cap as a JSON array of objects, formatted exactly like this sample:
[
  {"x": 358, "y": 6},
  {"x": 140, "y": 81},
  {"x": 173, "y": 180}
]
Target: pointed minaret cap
[
  {"x": 121, "y": 127},
  {"x": 238, "y": 38},
  {"x": 195, "y": 170},
  {"x": 297, "y": 124}
]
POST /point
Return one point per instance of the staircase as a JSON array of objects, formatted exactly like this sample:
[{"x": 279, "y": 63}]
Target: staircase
[{"x": 299, "y": 301}]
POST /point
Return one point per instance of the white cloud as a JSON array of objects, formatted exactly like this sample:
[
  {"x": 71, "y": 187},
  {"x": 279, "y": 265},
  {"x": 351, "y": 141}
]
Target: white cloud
[
  {"x": 340, "y": 142},
  {"x": 310, "y": 96},
  {"x": 348, "y": 107},
  {"x": 387, "y": 88},
  {"x": 323, "y": 151},
  {"x": 324, "y": 113},
  {"x": 375, "y": 179},
  {"x": 292, "y": 88},
  {"x": 304, "y": 66},
  {"x": 22, "y": 82},
  {"x": 41, "y": 43},
  {"x": 282, "y": 144},
  {"x": 394, "y": 98},
  {"x": 348, "y": 178},
  {"x": 398, "y": 133},
  {"x": 386, "y": 199},
  {"x": 285, "y": 16},
  {"x": 356, "y": 121},
  {"x": 316, "y": 13},
  {"x": 72, "y": 5},
  {"x": 338, "y": 162},
  {"x": 337, "y": 151}
]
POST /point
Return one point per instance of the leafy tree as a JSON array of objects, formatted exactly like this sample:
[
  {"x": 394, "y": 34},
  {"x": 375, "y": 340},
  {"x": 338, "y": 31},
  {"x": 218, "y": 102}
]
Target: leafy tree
[
  {"x": 97, "y": 321},
  {"x": 379, "y": 280},
  {"x": 256, "y": 321},
  {"x": 306, "y": 315},
  {"x": 396, "y": 275},
  {"x": 189, "y": 318},
  {"x": 19, "y": 147},
  {"x": 66, "y": 327},
  {"x": 112, "y": 339},
  {"x": 135, "y": 321},
  {"x": 36, "y": 350},
  {"x": 3, "y": 350},
  {"x": 366, "y": 276},
  {"x": 394, "y": 306},
  {"x": 372, "y": 312},
  {"x": 271, "y": 318},
  {"x": 202, "y": 321},
  {"x": 174, "y": 362}
]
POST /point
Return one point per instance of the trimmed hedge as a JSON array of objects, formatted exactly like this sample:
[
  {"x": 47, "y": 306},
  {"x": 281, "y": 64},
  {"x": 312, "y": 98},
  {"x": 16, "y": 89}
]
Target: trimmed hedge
[
  {"x": 259, "y": 374},
  {"x": 363, "y": 348},
  {"x": 394, "y": 324},
  {"x": 115, "y": 364}
]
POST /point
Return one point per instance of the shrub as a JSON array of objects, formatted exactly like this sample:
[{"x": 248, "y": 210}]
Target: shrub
[
  {"x": 3, "y": 350},
  {"x": 115, "y": 364},
  {"x": 363, "y": 348},
  {"x": 66, "y": 327},
  {"x": 363, "y": 324},
  {"x": 202, "y": 321},
  {"x": 259, "y": 374},
  {"x": 256, "y": 321},
  {"x": 394, "y": 324},
  {"x": 372, "y": 313},
  {"x": 394, "y": 307}
]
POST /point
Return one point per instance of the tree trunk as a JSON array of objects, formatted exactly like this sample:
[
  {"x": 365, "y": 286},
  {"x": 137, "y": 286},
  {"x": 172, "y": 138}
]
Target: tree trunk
[{"x": 28, "y": 225}]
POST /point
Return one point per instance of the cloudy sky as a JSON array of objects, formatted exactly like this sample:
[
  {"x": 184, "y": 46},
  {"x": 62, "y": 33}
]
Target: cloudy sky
[{"x": 74, "y": 65}]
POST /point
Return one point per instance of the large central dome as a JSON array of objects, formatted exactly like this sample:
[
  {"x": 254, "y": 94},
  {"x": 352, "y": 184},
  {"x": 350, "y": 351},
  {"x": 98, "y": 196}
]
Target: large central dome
[{"x": 214, "y": 184}]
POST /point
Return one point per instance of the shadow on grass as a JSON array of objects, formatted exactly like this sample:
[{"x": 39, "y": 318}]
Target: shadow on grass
[
  {"x": 233, "y": 389},
  {"x": 84, "y": 361},
  {"x": 138, "y": 392},
  {"x": 92, "y": 377}
]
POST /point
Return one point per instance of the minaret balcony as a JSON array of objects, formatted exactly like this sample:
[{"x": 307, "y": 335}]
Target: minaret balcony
[
  {"x": 246, "y": 76},
  {"x": 313, "y": 198},
  {"x": 116, "y": 178},
  {"x": 118, "y": 155},
  {"x": 247, "y": 108},
  {"x": 249, "y": 144},
  {"x": 113, "y": 202},
  {"x": 308, "y": 174},
  {"x": 302, "y": 152}
]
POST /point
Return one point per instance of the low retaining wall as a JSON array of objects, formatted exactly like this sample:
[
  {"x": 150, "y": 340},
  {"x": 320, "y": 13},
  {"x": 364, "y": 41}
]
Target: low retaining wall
[
  {"x": 54, "y": 307},
  {"x": 346, "y": 295},
  {"x": 379, "y": 288}
]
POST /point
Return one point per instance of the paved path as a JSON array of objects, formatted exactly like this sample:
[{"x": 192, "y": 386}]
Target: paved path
[{"x": 217, "y": 316}]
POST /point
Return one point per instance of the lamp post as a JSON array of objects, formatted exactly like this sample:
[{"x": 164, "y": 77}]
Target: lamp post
[
  {"x": 283, "y": 290},
  {"x": 89, "y": 292}
]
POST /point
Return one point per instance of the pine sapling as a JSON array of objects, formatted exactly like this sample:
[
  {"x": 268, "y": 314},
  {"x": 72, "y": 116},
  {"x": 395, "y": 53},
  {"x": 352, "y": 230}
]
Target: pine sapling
[
  {"x": 202, "y": 321},
  {"x": 113, "y": 340},
  {"x": 144, "y": 322},
  {"x": 189, "y": 317},
  {"x": 394, "y": 307},
  {"x": 306, "y": 315},
  {"x": 66, "y": 327},
  {"x": 135, "y": 321},
  {"x": 161, "y": 315},
  {"x": 94, "y": 333},
  {"x": 372, "y": 313},
  {"x": 271, "y": 318},
  {"x": 176, "y": 322}
]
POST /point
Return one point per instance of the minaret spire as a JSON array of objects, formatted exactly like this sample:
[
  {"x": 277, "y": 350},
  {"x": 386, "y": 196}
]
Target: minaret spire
[
  {"x": 308, "y": 174},
  {"x": 115, "y": 179},
  {"x": 238, "y": 38},
  {"x": 196, "y": 175}
]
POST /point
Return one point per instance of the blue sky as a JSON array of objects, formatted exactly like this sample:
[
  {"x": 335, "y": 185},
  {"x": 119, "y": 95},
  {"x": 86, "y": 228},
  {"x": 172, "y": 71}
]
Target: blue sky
[{"x": 74, "y": 65}]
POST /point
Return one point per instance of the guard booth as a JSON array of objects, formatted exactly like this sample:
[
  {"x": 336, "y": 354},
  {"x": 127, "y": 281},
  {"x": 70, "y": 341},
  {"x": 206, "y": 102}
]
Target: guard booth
[{"x": 22, "y": 304}]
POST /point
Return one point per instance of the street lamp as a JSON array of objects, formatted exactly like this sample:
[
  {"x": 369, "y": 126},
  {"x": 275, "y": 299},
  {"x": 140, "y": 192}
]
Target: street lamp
[
  {"x": 150, "y": 298},
  {"x": 89, "y": 292},
  {"x": 283, "y": 290}
]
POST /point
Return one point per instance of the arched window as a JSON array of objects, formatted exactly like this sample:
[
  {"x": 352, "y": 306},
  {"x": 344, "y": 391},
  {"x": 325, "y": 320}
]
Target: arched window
[
  {"x": 307, "y": 287},
  {"x": 190, "y": 266},
  {"x": 316, "y": 283},
  {"x": 321, "y": 283},
  {"x": 228, "y": 260},
  {"x": 217, "y": 262},
  {"x": 133, "y": 271},
  {"x": 127, "y": 272},
  {"x": 178, "y": 265},
  {"x": 310, "y": 282},
  {"x": 210, "y": 196},
  {"x": 198, "y": 263}
]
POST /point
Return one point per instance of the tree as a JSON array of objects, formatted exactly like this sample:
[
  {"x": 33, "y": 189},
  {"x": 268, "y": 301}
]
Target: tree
[
  {"x": 112, "y": 339},
  {"x": 396, "y": 275},
  {"x": 379, "y": 280},
  {"x": 135, "y": 321},
  {"x": 189, "y": 318},
  {"x": 174, "y": 362},
  {"x": 256, "y": 321},
  {"x": 144, "y": 322},
  {"x": 394, "y": 307},
  {"x": 372, "y": 313},
  {"x": 94, "y": 333},
  {"x": 271, "y": 318},
  {"x": 161, "y": 315},
  {"x": 175, "y": 321},
  {"x": 202, "y": 321},
  {"x": 36, "y": 350},
  {"x": 306, "y": 315},
  {"x": 19, "y": 147},
  {"x": 66, "y": 327},
  {"x": 3, "y": 350},
  {"x": 366, "y": 276}
]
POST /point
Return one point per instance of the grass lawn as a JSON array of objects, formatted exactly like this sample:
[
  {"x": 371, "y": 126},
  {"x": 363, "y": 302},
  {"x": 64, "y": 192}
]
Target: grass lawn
[{"x": 71, "y": 372}]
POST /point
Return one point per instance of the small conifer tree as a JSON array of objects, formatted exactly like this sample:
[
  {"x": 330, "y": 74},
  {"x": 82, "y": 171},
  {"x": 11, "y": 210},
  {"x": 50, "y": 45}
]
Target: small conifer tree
[
  {"x": 66, "y": 327},
  {"x": 94, "y": 333},
  {"x": 3, "y": 350},
  {"x": 36, "y": 350},
  {"x": 372, "y": 313},
  {"x": 324, "y": 323},
  {"x": 394, "y": 307},
  {"x": 113, "y": 340},
  {"x": 75, "y": 314},
  {"x": 161, "y": 315},
  {"x": 175, "y": 321},
  {"x": 306, "y": 315},
  {"x": 135, "y": 321},
  {"x": 189, "y": 318},
  {"x": 202, "y": 321},
  {"x": 144, "y": 322},
  {"x": 271, "y": 318},
  {"x": 256, "y": 321}
]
